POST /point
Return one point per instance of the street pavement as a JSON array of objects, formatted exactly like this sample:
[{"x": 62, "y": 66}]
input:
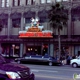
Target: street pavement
[{"x": 44, "y": 72}]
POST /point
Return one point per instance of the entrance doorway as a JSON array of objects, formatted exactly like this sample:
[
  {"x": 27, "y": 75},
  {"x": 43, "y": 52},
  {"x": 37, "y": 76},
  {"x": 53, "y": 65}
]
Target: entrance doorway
[{"x": 33, "y": 50}]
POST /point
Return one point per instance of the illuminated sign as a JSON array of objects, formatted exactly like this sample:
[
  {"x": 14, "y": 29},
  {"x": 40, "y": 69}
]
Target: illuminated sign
[
  {"x": 35, "y": 34},
  {"x": 35, "y": 31}
]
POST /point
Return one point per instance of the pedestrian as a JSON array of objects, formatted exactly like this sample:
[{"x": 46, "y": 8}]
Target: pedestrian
[{"x": 68, "y": 59}]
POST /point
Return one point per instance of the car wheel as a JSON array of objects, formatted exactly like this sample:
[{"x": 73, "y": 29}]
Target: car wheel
[
  {"x": 19, "y": 62},
  {"x": 50, "y": 63},
  {"x": 74, "y": 65}
]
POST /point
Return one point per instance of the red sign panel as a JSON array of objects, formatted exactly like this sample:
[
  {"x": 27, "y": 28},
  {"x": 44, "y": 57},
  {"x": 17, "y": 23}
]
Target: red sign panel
[{"x": 35, "y": 34}]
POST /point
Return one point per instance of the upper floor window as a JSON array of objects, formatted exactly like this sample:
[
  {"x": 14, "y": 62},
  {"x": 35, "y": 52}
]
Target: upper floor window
[
  {"x": 2, "y": 3},
  {"x": 26, "y": 2},
  {"x": 43, "y": 1},
  {"x": 4, "y": 22},
  {"x": 16, "y": 22},
  {"x": 58, "y": 0},
  {"x": 7, "y": 3},
  {"x": 14, "y": 2},
  {"x": 19, "y": 3},
  {"x": 33, "y": 2},
  {"x": 48, "y": 1},
  {"x": 30, "y": 2},
  {"x": 27, "y": 20}
]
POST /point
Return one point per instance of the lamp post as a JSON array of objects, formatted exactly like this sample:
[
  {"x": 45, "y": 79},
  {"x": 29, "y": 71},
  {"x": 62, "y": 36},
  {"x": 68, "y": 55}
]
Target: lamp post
[
  {"x": 13, "y": 47},
  {"x": 9, "y": 22}
]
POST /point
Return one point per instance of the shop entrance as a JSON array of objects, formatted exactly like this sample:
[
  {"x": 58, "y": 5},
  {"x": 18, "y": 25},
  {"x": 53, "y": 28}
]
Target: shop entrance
[{"x": 33, "y": 50}]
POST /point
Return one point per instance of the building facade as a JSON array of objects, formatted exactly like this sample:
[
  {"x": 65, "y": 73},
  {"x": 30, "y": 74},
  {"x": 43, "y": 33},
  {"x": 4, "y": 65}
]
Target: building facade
[{"x": 15, "y": 15}]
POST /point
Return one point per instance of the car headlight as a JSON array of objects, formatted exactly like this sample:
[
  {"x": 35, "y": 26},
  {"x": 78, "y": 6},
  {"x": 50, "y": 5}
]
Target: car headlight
[
  {"x": 30, "y": 71},
  {"x": 16, "y": 59},
  {"x": 13, "y": 75}
]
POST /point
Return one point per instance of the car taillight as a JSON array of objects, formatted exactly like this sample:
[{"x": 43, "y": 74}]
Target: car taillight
[{"x": 58, "y": 60}]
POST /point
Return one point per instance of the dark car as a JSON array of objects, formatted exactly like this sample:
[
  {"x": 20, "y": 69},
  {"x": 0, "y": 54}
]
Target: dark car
[
  {"x": 14, "y": 71},
  {"x": 39, "y": 59}
]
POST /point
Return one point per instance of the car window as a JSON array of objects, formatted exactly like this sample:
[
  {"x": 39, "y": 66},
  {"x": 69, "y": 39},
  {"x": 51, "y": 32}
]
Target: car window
[
  {"x": 46, "y": 56},
  {"x": 36, "y": 56}
]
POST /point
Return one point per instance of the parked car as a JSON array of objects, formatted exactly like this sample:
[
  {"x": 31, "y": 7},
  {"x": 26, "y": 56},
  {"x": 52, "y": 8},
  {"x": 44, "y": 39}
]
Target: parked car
[
  {"x": 39, "y": 59},
  {"x": 14, "y": 71},
  {"x": 75, "y": 62}
]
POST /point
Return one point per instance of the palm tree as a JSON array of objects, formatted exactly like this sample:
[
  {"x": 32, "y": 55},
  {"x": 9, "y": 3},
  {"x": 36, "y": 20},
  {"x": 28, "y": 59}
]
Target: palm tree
[{"x": 58, "y": 19}]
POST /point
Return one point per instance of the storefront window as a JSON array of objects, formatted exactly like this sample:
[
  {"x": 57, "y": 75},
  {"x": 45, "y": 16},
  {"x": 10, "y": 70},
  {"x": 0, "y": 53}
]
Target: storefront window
[
  {"x": 45, "y": 49},
  {"x": 76, "y": 50},
  {"x": 12, "y": 50},
  {"x": 33, "y": 50}
]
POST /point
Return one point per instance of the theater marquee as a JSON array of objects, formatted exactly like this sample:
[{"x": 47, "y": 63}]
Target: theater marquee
[{"x": 35, "y": 31}]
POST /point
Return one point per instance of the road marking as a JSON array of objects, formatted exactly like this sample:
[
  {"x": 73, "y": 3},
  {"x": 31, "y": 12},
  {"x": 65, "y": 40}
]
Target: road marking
[
  {"x": 35, "y": 70},
  {"x": 54, "y": 77}
]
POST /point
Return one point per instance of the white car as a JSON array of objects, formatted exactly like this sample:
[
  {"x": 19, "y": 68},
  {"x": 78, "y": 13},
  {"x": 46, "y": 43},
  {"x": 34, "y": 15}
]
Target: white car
[{"x": 75, "y": 62}]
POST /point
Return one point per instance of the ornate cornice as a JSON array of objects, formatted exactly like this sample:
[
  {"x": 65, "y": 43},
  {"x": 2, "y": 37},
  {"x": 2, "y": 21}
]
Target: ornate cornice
[{"x": 38, "y": 8}]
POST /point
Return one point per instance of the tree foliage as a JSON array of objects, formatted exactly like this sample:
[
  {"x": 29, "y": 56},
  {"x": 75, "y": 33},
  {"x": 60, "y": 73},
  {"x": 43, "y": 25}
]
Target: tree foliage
[
  {"x": 58, "y": 19},
  {"x": 58, "y": 16}
]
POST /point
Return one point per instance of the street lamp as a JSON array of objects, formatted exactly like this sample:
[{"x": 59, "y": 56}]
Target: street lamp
[{"x": 13, "y": 47}]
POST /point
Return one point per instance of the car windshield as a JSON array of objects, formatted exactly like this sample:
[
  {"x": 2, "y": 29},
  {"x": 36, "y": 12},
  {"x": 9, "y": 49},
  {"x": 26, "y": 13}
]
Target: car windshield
[{"x": 2, "y": 59}]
